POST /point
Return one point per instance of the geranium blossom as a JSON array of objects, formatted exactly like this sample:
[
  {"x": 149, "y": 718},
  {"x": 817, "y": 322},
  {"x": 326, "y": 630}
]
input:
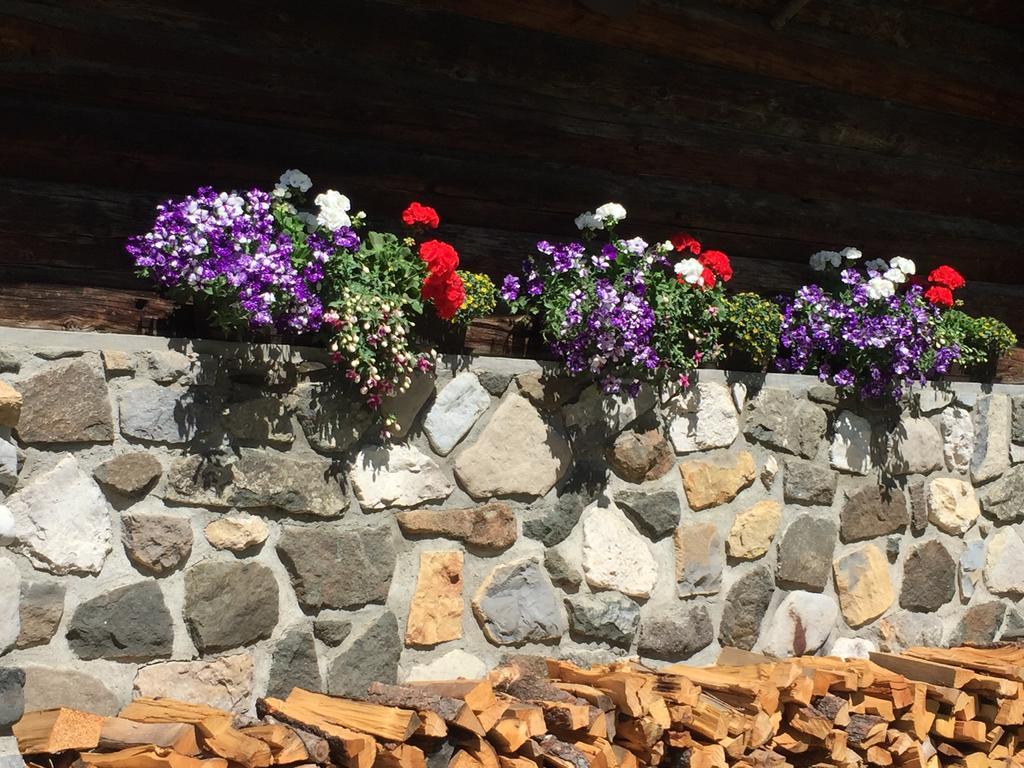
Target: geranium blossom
[
  {"x": 334, "y": 208},
  {"x": 421, "y": 215}
]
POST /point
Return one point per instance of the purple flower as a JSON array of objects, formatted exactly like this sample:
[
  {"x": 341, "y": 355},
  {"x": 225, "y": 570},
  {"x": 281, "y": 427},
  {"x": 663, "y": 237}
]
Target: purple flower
[{"x": 510, "y": 288}]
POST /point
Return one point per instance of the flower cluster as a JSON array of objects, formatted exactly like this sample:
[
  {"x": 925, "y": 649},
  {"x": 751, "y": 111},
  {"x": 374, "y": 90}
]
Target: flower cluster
[
  {"x": 874, "y": 334},
  {"x": 481, "y": 297},
  {"x": 619, "y": 309},
  {"x": 942, "y": 282},
  {"x": 261, "y": 260}
]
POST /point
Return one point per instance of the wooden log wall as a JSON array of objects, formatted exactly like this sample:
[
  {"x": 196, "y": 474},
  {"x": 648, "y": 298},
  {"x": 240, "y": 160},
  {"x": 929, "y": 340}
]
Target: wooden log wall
[{"x": 894, "y": 125}]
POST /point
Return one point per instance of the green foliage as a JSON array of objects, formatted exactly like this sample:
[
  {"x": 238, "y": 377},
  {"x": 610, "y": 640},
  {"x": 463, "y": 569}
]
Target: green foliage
[
  {"x": 750, "y": 328},
  {"x": 982, "y": 340}
]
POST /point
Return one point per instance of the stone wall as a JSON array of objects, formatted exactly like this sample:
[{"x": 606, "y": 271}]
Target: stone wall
[{"x": 210, "y": 520}]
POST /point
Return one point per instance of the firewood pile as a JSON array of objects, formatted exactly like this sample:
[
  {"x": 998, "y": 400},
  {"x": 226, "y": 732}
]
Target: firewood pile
[{"x": 925, "y": 707}]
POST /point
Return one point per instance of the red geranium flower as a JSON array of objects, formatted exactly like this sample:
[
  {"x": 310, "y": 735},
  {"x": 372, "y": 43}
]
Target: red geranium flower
[
  {"x": 708, "y": 277},
  {"x": 947, "y": 277},
  {"x": 446, "y": 292},
  {"x": 423, "y": 215},
  {"x": 440, "y": 257},
  {"x": 718, "y": 263},
  {"x": 940, "y": 296},
  {"x": 683, "y": 242}
]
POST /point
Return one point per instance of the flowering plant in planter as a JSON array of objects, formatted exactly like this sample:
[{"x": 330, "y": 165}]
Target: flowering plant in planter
[
  {"x": 269, "y": 260},
  {"x": 622, "y": 310},
  {"x": 872, "y": 330}
]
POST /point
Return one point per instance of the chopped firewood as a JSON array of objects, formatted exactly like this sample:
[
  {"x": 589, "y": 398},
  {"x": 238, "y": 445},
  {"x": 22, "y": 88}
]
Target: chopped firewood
[
  {"x": 57, "y": 730},
  {"x": 285, "y": 744},
  {"x": 348, "y": 747},
  {"x": 170, "y": 711},
  {"x": 594, "y": 696},
  {"x": 462, "y": 759},
  {"x": 118, "y": 733},
  {"x": 478, "y": 694},
  {"x": 223, "y": 740},
  {"x": 148, "y": 757},
  {"x": 452, "y": 710},
  {"x": 505, "y": 761},
  {"x": 388, "y": 723},
  {"x": 400, "y": 756}
]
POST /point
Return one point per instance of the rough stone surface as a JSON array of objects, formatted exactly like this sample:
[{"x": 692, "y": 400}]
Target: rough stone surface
[
  {"x": 47, "y": 687},
  {"x": 65, "y": 404},
  {"x": 406, "y": 407},
  {"x": 10, "y": 600},
  {"x": 606, "y": 616},
  {"x": 597, "y": 417},
  {"x": 677, "y": 635},
  {"x": 558, "y": 520},
  {"x": 700, "y": 559},
  {"x": 639, "y": 456},
  {"x": 488, "y": 527},
  {"x": 12, "y": 696},
  {"x": 117, "y": 362},
  {"x": 9, "y": 464},
  {"x": 564, "y": 569},
  {"x": 929, "y": 574},
  {"x": 906, "y": 630},
  {"x": 769, "y": 472},
  {"x": 129, "y": 473},
  {"x": 863, "y": 584},
  {"x": 201, "y": 480},
  {"x": 453, "y": 665},
  {"x": 872, "y": 511},
  {"x": 61, "y": 521},
  {"x": 454, "y": 412},
  {"x": 851, "y": 445},
  {"x": 495, "y": 382},
  {"x": 952, "y": 505},
  {"x": 332, "y": 421},
  {"x": 8, "y": 362},
  {"x": 225, "y": 682},
  {"x": 371, "y": 657},
  {"x": 294, "y": 664},
  {"x": 332, "y": 632},
  {"x": 703, "y": 418},
  {"x": 805, "y": 482},
  {"x": 1003, "y": 500},
  {"x": 931, "y": 399},
  {"x": 853, "y": 648},
  {"x": 957, "y": 429},
  {"x": 780, "y": 420},
  {"x": 517, "y": 604},
  {"x": 992, "y": 426},
  {"x": 517, "y": 453},
  {"x": 311, "y": 555},
  {"x": 156, "y": 543},
  {"x": 655, "y": 513},
  {"x": 271, "y": 480},
  {"x": 745, "y": 606},
  {"x": 1016, "y": 418},
  {"x": 1003, "y": 572},
  {"x": 435, "y": 613},
  {"x": 980, "y": 624},
  {"x": 236, "y": 533},
  {"x": 260, "y": 420},
  {"x": 159, "y": 414},
  {"x": 969, "y": 569},
  {"x": 228, "y": 605},
  {"x": 397, "y": 476},
  {"x": 549, "y": 392},
  {"x": 800, "y": 625},
  {"x": 615, "y": 556},
  {"x": 131, "y": 623},
  {"x": 42, "y": 607},
  {"x": 915, "y": 447},
  {"x": 164, "y": 366},
  {"x": 709, "y": 485},
  {"x": 805, "y": 553},
  {"x": 10, "y": 405},
  {"x": 1014, "y": 629},
  {"x": 6, "y": 527},
  {"x": 753, "y": 530}
]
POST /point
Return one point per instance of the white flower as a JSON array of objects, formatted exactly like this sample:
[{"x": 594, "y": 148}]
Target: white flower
[
  {"x": 612, "y": 211},
  {"x": 308, "y": 219},
  {"x": 635, "y": 245},
  {"x": 297, "y": 179},
  {"x": 691, "y": 270},
  {"x": 821, "y": 260},
  {"x": 880, "y": 288},
  {"x": 280, "y": 191},
  {"x": 906, "y": 266},
  {"x": 851, "y": 253},
  {"x": 665, "y": 247},
  {"x": 895, "y": 275},
  {"x": 588, "y": 220},
  {"x": 878, "y": 265},
  {"x": 334, "y": 208}
]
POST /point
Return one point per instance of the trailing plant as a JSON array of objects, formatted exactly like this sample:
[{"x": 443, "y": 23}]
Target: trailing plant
[
  {"x": 623, "y": 310},
  {"x": 981, "y": 340},
  {"x": 481, "y": 297},
  {"x": 871, "y": 330},
  {"x": 750, "y": 329}
]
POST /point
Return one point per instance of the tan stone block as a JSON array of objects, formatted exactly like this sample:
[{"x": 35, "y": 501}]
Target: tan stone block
[
  {"x": 709, "y": 485},
  {"x": 753, "y": 530},
  {"x": 952, "y": 505},
  {"x": 10, "y": 405},
  {"x": 435, "y": 615},
  {"x": 863, "y": 583}
]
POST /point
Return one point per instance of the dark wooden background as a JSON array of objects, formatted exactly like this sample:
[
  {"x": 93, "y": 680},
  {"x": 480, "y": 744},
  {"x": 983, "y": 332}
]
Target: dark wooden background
[{"x": 893, "y": 125}]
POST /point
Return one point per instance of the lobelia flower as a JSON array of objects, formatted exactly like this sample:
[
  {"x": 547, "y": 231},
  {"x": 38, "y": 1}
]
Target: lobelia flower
[{"x": 334, "y": 208}]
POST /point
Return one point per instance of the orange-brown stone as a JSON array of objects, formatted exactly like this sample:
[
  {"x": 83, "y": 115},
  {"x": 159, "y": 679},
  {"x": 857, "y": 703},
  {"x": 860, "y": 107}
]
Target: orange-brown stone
[{"x": 435, "y": 615}]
